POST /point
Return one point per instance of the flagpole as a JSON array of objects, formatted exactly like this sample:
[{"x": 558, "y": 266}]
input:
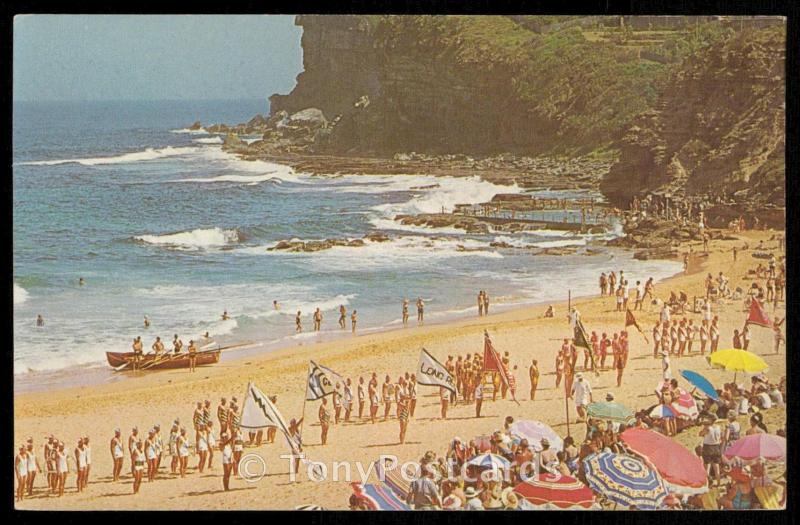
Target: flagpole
[{"x": 569, "y": 301}]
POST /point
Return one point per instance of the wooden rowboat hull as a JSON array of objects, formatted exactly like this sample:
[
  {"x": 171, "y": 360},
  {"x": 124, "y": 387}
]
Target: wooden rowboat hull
[{"x": 168, "y": 361}]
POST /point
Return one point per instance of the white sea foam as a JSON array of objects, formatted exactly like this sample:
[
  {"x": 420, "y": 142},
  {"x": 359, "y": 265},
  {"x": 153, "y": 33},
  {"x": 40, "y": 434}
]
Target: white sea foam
[
  {"x": 20, "y": 294},
  {"x": 193, "y": 240},
  {"x": 136, "y": 156},
  {"x": 208, "y": 140},
  {"x": 201, "y": 131}
]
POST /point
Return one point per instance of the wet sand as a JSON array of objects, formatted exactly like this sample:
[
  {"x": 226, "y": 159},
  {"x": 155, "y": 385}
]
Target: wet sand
[{"x": 162, "y": 396}]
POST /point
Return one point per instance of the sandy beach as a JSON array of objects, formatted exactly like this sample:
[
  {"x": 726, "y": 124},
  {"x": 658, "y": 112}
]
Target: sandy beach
[{"x": 160, "y": 397}]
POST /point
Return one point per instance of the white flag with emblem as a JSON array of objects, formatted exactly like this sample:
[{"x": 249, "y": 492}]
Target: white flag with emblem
[
  {"x": 321, "y": 381},
  {"x": 259, "y": 412},
  {"x": 433, "y": 373}
]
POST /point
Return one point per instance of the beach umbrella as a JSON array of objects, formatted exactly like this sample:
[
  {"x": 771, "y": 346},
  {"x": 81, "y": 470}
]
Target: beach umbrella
[
  {"x": 489, "y": 460},
  {"x": 756, "y": 446},
  {"x": 625, "y": 480},
  {"x": 377, "y": 497},
  {"x": 309, "y": 507},
  {"x": 661, "y": 411},
  {"x": 701, "y": 383},
  {"x": 682, "y": 470},
  {"x": 610, "y": 411},
  {"x": 563, "y": 492},
  {"x": 685, "y": 407},
  {"x": 392, "y": 478},
  {"x": 735, "y": 360},
  {"x": 534, "y": 432}
]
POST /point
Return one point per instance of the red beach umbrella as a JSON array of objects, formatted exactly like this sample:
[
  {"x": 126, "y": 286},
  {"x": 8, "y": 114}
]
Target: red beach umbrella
[
  {"x": 682, "y": 470},
  {"x": 755, "y": 446},
  {"x": 562, "y": 491}
]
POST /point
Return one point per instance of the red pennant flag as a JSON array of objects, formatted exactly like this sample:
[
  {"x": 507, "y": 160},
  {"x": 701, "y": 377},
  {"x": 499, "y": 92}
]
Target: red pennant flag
[
  {"x": 758, "y": 315},
  {"x": 492, "y": 363},
  {"x": 630, "y": 320}
]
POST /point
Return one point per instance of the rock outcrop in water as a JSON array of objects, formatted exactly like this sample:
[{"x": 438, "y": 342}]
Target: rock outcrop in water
[{"x": 718, "y": 129}]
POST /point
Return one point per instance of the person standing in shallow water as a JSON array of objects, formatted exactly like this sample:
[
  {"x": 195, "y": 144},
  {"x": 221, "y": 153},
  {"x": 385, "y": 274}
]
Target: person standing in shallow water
[
  {"x": 342, "y": 316},
  {"x": 405, "y": 312},
  {"x": 317, "y": 320},
  {"x": 480, "y": 303},
  {"x": 298, "y": 322},
  {"x": 354, "y": 320},
  {"x": 420, "y": 310}
]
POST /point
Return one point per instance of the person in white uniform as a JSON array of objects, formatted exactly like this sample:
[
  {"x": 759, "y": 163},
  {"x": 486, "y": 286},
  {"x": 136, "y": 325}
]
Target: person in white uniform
[
  {"x": 21, "y": 470},
  {"x": 582, "y": 394},
  {"x": 33, "y": 465}
]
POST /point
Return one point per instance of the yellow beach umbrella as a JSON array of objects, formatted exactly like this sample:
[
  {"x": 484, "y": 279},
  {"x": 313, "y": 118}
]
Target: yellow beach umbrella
[{"x": 735, "y": 360}]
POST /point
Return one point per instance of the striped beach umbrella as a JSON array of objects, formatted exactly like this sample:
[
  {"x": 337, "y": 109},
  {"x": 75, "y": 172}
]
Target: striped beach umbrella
[
  {"x": 377, "y": 497},
  {"x": 489, "y": 460},
  {"x": 662, "y": 411},
  {"x": 563, "y": 492},
  {"x": 685, "y": 407},
  {"x": 682, "y": 470},
  {"x": 625, "y": 480}
]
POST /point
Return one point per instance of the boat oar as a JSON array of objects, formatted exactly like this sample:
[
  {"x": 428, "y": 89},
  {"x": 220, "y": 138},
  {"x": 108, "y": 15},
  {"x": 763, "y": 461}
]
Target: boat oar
[
  {"x": 155, "y": 361},
  {"x": 239, "y": 345},
  {"x": 127, "y": 362}
]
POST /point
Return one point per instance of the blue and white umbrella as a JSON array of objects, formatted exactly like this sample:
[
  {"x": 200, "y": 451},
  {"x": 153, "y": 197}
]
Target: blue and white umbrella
[
  {"x": 489, "y": 460},
  {"x": 702, "y": 384},
  {"x": 625, "y": 480}
]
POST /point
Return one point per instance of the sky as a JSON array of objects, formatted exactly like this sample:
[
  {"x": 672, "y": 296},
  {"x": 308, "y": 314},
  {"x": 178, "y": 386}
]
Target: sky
[{"x": 149, "y": 57}]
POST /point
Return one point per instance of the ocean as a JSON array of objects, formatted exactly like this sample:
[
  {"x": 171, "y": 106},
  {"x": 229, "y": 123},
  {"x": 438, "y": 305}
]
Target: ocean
[{"x": 159, "y": 221}]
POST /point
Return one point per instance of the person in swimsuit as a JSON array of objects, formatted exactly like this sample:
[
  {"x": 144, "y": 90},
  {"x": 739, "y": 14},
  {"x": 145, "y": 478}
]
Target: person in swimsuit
[
  {"x": 192, "y": 356},
  {"x": 158, "y": 347},
  {"x": 405, "y": 312},
  {"x": 39, "y": 321},
  {"x": 146, "y": 322},
  {"x": 225, "y": 315},
  {"x": 402, "y": 412},
  {"x": 132, "y": 439},
  {"x": 374, "y": 400},
  {"x": 150, "y": 454},
  {"x": 49, "y": 459},
  {"x": 211, "y": 440},
  {"x": 298, "y": 323},
  {"x": 177, "y": 345},
  {"x": 117, "y": 455},
  {"x": 533, "y": 374},
  {"x": 227, "y": 459},
  {"x": 173, "y": 448},
  {"x": 198, "y": 422},
  {"x": 420, "y": 310},
  {"x": 138, "y": 459},
  {"x": 137, "y": 352},
  {"x": 324, "y": 419},
  {"x": 238, "y": 445},
  {"x": 182, "y": 444},
  {"x": 317, "y": 320},
  {"x": 88, "y": 460},
  {"x": 222, "y": 415},
  {"x": 159, "y": 446},
  {"x": 362, "y": 396},
  {"x": 342, "y": 316},
  {"x": 354, "y": 320},
  {"x": 62, "y": 468},
  {"x": 21, "y": 471},
  {"x": 33, "y": 465},
  {"x": 202, "y": 450},
  {"x": 412, "y": 394},
  {"x": 387, "y": 392},
  {"x": 485, "y": 303},
  {"x": 480, "y": 303},
  {"x": 347, "y": 399}
]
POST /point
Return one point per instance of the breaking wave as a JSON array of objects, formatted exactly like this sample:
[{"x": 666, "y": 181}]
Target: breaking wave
[
  {"x": 136, "y": 156},
  {"x": 193, "y": 240}
]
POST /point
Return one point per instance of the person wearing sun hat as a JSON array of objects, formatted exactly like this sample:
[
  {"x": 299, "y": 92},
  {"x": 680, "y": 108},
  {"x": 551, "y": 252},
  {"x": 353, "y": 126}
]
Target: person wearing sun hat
[
  {"x": 495, "y": 493},
  {"x": 452, "y": 502},
  {"x": 473, "y": 500},
  {"x": 509, "y": 499}
]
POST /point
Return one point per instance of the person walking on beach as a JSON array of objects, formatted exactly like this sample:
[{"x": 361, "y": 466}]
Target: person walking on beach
[
  {"x": 746, "y": 336},
  {"x": 621, "y": 359},
  {"x": 533, "y": 374},
  {"x": 405, "y": 312},
  {"x": 354, "y": 320},
  {"x": 444, "y": 401},
  {"x": 420, "y": 310},
  {"x": 714, "y": 335},
  {"x": 386, "y": 394},
  {"x": 485, "y": 303},
  {"x": 317, "y": 320},
  {"x": 603, "y": 283},
  {"x": 402, "y": 413},
  {"x": 298, "y": 322},
  {"x": 337, "y": 404},
  {"x": 480, "y": 303},
  {"x": 412, "y": 394},
  {"x": 639, "y": 296},
  {"x": 581, "y": 392},
  {"x": 342, "y": 316},
  {"x": 559, "y": 368},
  {"x": 324, "y": 420}
]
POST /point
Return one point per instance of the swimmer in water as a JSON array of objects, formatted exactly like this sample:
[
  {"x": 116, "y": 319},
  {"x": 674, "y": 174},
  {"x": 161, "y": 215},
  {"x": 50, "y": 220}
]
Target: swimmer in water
[
  {"x": 146, "y": 322},
  {"x": 342, "y": 316},
  {"x": 225, "y": 315},
  {"x": 81, "y": 282},
  {"x": 405, "y": 312},
  {"x": 275, "y": 305},
  {"x": 40, "y": 321}
]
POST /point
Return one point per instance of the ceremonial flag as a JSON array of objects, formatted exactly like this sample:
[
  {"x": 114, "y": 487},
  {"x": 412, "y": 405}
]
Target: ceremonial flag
[
  {"x": 259, "y": 412},
  {"x": 630, "y": 320},
  {"x": 758, "y": 315},
  {"x": 492, "y": 363},
  {"x": 320, "y": 381},
  {"x": 434, "y": 373},
  {"x": 582, "y": 341}
]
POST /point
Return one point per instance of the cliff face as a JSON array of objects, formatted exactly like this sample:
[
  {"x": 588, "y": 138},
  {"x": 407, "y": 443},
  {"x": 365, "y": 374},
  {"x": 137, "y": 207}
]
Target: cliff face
[{"x": 718, "y": 127}]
